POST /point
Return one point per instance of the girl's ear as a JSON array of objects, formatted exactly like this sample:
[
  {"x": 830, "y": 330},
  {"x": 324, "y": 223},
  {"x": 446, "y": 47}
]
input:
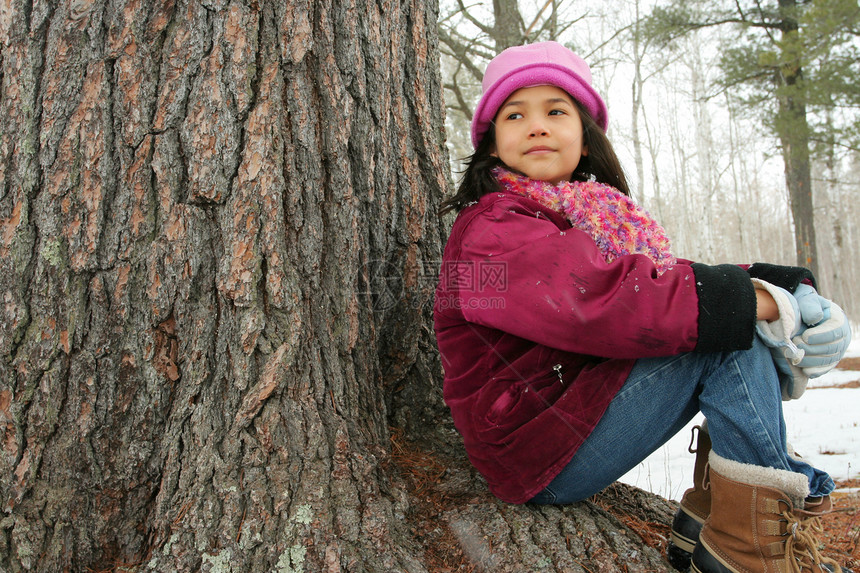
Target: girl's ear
[
  {"x": 493, "y": 151},
  {"x": 585, "y": 151}
]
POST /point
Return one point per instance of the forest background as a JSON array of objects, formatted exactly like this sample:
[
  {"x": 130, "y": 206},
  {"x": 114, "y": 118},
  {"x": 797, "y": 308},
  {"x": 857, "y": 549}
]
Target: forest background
[{"x": 706, "y": 100}]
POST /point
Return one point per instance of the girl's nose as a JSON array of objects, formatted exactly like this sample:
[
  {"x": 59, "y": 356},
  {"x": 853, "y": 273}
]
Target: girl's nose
[{"x": 537, "y": 129}]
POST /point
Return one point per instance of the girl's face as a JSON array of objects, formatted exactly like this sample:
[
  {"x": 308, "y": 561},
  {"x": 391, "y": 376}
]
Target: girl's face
[{"x": 539, "y": 133}]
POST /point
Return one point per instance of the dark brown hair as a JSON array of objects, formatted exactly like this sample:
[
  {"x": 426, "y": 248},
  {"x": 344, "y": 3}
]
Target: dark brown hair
[{"x": 601, "y": 164}]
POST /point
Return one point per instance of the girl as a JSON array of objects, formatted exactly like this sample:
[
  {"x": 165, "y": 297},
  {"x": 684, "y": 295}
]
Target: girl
[{"x": 574, "y": 343}]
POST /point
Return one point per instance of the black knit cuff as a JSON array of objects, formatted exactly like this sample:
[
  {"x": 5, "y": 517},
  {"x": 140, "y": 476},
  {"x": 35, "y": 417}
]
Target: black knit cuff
[
  {"x": 782, "y": 276},
  {"x": 727, "y": 308}
]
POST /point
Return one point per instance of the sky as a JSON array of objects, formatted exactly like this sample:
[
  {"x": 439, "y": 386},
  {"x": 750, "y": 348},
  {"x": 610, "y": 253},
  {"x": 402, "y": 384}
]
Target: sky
[{"x": 823, "y": 427}]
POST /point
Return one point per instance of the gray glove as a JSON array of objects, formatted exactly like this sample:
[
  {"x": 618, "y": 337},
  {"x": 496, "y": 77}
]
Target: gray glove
[
  {"x": 812, "y": 305},
  {"x": 777, "y": 335},
  {"x": 825, "y": 343}
]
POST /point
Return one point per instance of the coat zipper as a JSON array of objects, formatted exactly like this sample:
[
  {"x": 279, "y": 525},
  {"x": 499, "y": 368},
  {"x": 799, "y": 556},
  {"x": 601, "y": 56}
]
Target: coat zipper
[{"x": 557, "y": 369}]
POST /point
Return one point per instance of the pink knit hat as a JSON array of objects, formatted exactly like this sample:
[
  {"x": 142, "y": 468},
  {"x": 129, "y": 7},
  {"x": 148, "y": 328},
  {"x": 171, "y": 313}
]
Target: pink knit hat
[{"x": 544, "y": 63}]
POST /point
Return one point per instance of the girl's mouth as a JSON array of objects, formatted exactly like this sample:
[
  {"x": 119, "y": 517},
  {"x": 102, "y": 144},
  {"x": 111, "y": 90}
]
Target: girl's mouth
[{"x": 540, "y": 149}]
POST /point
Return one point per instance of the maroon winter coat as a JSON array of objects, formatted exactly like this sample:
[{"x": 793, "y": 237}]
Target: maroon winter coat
[{"x": 537, "y": 332}]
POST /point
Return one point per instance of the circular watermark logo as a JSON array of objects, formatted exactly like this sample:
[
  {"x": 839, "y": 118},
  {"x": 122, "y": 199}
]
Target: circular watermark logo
[{"x": 382, "y": 283}]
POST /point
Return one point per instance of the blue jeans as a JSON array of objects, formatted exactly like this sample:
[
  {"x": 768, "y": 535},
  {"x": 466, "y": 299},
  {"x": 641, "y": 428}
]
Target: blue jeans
[{"x": 738, "y": 392}]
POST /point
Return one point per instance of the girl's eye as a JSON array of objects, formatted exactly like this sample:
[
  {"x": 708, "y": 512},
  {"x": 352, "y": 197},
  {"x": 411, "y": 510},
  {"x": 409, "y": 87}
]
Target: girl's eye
[
  {"x": 515, "y": 115},
  {"x": 557, "y": 112}
]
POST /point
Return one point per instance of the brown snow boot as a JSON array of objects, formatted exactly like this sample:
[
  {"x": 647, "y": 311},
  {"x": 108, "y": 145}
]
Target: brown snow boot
[
  {"x": 756, "y": 524},
  {"x": 695, "y": 504}
]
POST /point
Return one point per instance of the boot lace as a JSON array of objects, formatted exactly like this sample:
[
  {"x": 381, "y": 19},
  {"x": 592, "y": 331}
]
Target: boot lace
[{"x": 802, "y": 544}]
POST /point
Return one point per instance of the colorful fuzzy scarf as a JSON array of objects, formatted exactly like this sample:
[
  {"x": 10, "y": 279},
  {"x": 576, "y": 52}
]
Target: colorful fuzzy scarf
[{"x": 617, "y": 224}]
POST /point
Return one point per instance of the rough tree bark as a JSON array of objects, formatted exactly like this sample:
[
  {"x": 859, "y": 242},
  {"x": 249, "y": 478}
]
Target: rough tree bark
[{"x": 218, "y": 233}]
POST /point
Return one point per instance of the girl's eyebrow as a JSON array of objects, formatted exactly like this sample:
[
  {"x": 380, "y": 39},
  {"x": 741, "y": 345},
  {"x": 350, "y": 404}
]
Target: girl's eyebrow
[
  {"x": 553, "y": 100},
  {"x": 510, "y": 103}
]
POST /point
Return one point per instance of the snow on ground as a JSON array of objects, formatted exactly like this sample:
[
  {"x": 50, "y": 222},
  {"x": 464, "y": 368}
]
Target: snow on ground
[{"x": 823, "y": 426}]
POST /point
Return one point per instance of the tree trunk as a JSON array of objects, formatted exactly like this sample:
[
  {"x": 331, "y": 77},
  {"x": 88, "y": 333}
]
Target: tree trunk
[
  {"x": 798, "y": 179},
  {"x": 793, "y": 130},
  {"x": 508, "y": 28},
  {"x": 705, "y": 178},
  {"x": 637, "y": 88},
  {"x": 200, "y": 201},
  {"x": 219, "y": 243}
]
